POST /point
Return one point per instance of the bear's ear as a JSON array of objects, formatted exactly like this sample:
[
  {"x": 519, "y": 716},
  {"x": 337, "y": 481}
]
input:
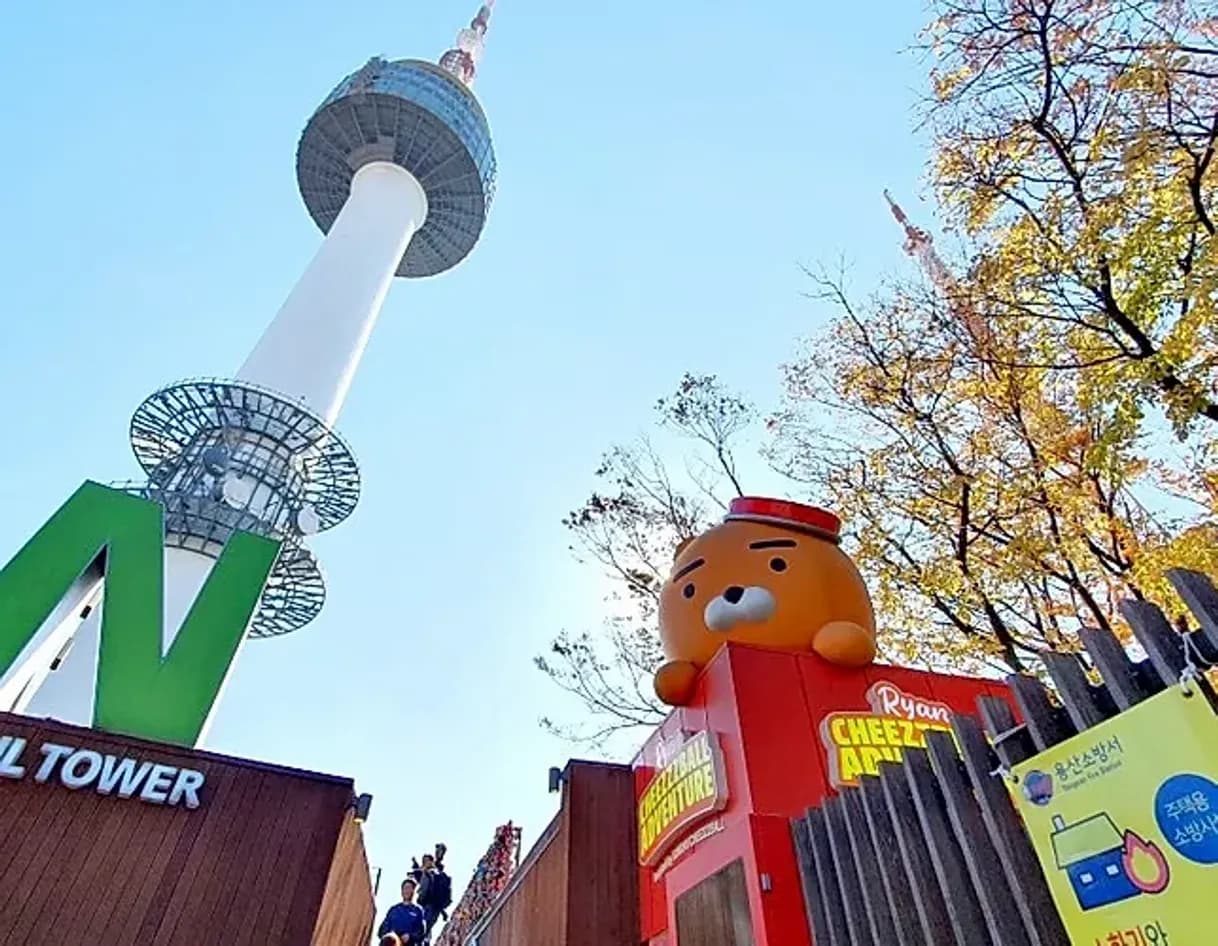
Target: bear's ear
[{"x": 681, "y": 547}]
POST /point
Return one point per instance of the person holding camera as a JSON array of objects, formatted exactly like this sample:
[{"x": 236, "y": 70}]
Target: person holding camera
[
  {"x": 438, "y": 895},
  {"x": 434, "y": 887}
]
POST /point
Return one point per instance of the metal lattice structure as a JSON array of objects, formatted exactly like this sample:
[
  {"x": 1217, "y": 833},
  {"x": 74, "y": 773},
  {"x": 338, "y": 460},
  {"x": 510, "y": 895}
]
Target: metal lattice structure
[
  {"x": 223, "y": 456},
  {"x": 183, "y": 431}
]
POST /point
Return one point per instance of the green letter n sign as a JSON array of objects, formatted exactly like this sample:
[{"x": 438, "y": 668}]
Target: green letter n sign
[{"x": 140, "y": 691}]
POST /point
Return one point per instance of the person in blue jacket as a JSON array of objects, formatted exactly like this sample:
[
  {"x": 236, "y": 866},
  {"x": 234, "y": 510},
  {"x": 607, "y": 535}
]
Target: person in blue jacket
[{"x": 404, "y": 924}]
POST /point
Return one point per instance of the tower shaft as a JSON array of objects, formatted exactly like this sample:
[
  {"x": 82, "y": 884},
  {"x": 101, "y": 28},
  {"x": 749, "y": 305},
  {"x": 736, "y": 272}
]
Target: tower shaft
[
  {"x": 397, "y": 167},
  {"x": 311, "y": 350}
]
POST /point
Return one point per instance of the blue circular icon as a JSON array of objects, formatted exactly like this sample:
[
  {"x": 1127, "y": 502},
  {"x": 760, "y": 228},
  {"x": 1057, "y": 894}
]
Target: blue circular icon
[
  {"x": 1186, "y": 809},
  {"x": 1038, "y": 788}
]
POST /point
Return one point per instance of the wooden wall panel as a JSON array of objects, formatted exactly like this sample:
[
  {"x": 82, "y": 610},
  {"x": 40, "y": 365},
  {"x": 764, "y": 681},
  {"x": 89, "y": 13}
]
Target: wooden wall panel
[
  {"x": 603, "y": 890},
  {"x": 249, "y": 866},
  {"x": 348, "y": 911},
  {"x": 716, "y": 911},
  {"x": 578, "y": 886}
]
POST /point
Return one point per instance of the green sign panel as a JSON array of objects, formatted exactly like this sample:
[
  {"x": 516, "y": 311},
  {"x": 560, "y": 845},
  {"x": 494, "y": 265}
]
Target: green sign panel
[{"x": 140, "y": 691}]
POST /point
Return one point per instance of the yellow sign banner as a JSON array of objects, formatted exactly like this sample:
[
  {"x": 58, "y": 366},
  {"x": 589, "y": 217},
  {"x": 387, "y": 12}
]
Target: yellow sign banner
[
  {"x": 690, "y": 787},
  {"x": 857, "y": 742},
  {"x": 1124, "y": 818}
]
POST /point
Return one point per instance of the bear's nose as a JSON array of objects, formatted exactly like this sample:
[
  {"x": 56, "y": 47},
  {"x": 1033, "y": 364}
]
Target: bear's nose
[{"x": 733, "y": 594}]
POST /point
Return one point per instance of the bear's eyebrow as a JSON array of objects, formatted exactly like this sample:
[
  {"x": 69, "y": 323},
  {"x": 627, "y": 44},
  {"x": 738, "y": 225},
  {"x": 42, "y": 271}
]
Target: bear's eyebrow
[
  {"x": 774, "y": 544},
  {"x": 696, "y": 563}
]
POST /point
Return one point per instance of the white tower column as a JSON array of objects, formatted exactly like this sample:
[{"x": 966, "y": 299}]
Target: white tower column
[
  {"x": 259, "y": 453},
  {"x": 68, "y": 694},
  {"x": 311, "y": 350}
]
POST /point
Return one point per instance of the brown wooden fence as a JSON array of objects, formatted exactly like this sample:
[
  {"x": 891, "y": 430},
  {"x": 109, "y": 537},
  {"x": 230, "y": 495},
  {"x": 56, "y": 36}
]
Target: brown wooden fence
[{"x": 932, "y": 851}]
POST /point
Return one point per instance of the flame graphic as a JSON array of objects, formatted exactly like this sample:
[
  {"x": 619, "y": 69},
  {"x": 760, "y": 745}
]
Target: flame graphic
[{"x": 1145, "y": 864}]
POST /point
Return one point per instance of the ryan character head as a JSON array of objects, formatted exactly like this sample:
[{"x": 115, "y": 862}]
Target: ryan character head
[{"x": 771, "y": 574}]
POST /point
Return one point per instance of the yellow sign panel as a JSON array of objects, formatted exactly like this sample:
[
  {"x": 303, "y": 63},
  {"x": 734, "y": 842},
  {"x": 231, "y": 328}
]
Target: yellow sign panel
[
  {"x": 1124, "y": 818},
  {"x": 690, "y": 787},
  {"x": 857, "y": 742}
]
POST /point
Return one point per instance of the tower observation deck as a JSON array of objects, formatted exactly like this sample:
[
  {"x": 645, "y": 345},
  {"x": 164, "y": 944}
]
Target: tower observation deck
[
  {"x": 416, "y": 116},
  {"x": 397, "y": 168}
]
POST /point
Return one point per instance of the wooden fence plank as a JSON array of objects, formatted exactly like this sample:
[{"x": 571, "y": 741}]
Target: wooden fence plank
[
  {"x": 1048, "y": 724},
  {"x": 1011, "y": 740},
  {"x": 830, "y": 889},
  {"x": 1087, "y": 705},
  {"x": 847, "y": 875},
  {"x": 1011, "y": 843},
  {"x": 1158, "y": 638},
  {"x": 997, "y": 900},
  {"x": 897, "y": 885},
  {"x": 814, "y": 902},
  {"x": 968, "y": 920},
  {"x": 1120, "y": 673},
  {"x": 1199, "y": 593},
  {"x": 929, "y": 901},
  {"x": 867, "y": 859},
  {"x": 967, "y": 874}
]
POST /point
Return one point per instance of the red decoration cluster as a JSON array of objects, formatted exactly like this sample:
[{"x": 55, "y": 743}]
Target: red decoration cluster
[{"x": 490, "y": 880}]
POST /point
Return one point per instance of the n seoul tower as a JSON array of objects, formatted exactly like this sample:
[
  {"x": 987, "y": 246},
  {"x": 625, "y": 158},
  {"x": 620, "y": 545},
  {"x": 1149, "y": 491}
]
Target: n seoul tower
[{"x": 397, "y": 169}]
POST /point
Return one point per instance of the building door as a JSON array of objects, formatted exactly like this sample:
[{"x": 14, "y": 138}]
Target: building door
[{"x": 716, "y": 912}]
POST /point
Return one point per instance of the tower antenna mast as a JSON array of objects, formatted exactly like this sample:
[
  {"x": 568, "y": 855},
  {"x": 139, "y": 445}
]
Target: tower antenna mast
[
  {"x": 463, "y": 59},
  {"x": 920, "y": 245}
]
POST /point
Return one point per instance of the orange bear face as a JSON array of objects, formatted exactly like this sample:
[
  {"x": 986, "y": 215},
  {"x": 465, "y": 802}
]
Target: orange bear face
[{"x": 777, "y": 581}]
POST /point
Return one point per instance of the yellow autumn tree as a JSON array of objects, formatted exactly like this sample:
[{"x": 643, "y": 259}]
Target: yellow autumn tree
[
  {"x": 993, "y": 507},
  {"x": 1021, "y": 438},
  {"x": 1074, "y": 151},
  {"x": 1074, "y": 148}
]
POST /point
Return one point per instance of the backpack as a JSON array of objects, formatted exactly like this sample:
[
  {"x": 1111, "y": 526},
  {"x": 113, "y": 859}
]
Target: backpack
[{"x": 440, "y": 891}]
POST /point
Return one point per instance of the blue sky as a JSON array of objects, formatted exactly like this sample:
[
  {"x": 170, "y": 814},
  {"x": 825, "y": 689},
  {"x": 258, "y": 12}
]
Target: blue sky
[{"x": 663, "y": 170}]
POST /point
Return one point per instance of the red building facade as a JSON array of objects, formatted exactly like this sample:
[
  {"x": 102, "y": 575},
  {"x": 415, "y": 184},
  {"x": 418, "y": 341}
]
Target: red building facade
[{"x": 718, "y": 863}]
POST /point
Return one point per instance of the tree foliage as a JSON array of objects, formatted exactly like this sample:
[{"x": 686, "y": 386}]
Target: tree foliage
[
  {"x": 1016, "y": 440},
  {"x": 644, "y": 506},
  {"x": 1074, "y": 145},
  {"x": 992, "y": 509}
]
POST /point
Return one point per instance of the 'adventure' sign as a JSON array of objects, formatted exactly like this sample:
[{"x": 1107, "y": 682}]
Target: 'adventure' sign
[
  {"x": 858, "y": 742},
  {"x": 123, "y": 777},
  {"x": 691, "y": 786}
]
